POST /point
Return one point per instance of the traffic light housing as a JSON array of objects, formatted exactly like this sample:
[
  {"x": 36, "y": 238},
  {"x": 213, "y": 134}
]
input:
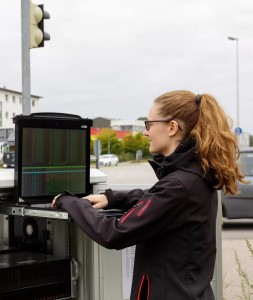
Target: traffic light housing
[{"x": 37, "y": 33}]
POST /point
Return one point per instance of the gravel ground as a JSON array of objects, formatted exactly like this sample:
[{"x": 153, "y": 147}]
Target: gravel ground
[{"x": 232, "y": 281}]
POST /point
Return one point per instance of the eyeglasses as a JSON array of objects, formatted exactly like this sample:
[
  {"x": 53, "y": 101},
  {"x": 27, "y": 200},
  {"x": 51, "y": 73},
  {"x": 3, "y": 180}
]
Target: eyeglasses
[{"x": 148, "y": 123}]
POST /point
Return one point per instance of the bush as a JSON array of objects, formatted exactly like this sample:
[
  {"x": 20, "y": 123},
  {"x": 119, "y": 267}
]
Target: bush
[{"x": 126, "y": 156}]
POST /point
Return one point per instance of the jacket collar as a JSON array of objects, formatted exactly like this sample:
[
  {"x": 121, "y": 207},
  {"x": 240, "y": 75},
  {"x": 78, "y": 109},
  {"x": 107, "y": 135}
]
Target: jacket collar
[{"x": 184, "y": 158}]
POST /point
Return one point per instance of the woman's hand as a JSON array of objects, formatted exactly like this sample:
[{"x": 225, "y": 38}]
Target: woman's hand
[
  {"x": 53, "y": 202},
  {"x": 97, "y": 201}
]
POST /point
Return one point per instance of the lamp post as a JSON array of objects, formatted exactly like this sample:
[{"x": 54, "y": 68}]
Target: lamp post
[
  {"x": 237, "y": 80},
  {"x": 109, "y": 144}
]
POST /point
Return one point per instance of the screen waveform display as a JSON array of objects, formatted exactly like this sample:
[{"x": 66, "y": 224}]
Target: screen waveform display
[
  {"x": 52, "y": 160},
  {"x": 43, "y": 181}
]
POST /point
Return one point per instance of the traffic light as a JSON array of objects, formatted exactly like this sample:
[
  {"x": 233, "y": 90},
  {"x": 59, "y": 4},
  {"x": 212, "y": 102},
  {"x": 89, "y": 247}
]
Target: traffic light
[{"x": 37, "y": 33}]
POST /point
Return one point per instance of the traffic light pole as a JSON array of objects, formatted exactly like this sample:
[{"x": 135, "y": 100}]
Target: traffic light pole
[{"x": 26, "y": 72}]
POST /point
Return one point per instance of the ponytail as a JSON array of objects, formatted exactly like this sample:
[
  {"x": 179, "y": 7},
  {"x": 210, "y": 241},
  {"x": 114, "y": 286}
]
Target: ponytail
[
  {"x": 205, "y": 121},
  {"x": 217, "y": 145}
]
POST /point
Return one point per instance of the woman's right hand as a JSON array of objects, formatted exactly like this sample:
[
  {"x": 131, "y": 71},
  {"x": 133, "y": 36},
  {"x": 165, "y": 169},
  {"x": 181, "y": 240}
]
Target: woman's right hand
[{"x": 97, "y": 201}]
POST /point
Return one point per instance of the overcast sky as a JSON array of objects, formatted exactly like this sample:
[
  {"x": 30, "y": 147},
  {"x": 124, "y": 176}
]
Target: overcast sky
[{"x": 111, "y": 58}]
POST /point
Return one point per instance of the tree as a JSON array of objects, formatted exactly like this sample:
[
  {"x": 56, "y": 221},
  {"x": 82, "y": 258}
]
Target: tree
[
  {"x": 142, "y": 144},
  {"x": 91, "y": 146},
  {"x": 129, "y": 144},
  {"x": 109, "y": 141},
  {"x": 132, "y": 143}
]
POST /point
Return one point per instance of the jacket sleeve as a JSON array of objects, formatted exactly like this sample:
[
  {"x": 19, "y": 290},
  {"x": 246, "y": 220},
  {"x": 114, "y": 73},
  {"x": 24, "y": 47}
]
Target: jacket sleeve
[
  {"x": 156, "y": 211},
  {"x": 123, "y": 199}
]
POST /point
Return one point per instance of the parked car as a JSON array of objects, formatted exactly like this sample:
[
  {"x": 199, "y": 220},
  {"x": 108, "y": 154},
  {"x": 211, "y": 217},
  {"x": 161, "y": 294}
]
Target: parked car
[
  {"x": 108, "y": 160},
  {"x": 92, "y": 158},
  {"x": 9, "y": 160},
  {"x": 241, "y": 206}
]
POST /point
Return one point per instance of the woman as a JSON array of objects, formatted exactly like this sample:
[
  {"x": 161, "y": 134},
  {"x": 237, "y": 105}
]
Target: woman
[{"x": 173, "y": 223}]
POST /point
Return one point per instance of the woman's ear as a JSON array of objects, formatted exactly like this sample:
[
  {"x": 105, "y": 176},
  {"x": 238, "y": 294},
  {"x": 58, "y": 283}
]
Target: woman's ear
[{"x": 173, "y": 128}]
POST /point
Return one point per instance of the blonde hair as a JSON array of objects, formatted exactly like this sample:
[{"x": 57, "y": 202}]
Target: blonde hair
[{"x": 205, "y": 121}]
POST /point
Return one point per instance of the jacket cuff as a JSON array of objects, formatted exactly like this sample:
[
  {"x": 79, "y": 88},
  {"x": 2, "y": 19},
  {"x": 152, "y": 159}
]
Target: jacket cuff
[
  {"x": 109, "y": 195},
  {"x": 58, "y": 204}
]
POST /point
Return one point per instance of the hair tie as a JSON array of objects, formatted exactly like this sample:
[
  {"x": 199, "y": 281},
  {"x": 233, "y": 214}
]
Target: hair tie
[{"x": 198, "y": 99}]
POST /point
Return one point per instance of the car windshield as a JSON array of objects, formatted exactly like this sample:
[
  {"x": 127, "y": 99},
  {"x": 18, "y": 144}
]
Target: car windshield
[{"x": 246, "y": 163}]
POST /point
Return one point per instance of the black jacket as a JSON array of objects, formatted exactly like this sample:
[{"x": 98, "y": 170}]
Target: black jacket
[{"x": 173, "y": 226}]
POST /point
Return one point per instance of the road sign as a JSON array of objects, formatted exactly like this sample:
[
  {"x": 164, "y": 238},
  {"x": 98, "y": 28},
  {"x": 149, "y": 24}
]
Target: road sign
[
  {"x": 97, "y": 148},
  {"x": 238, "y": 130}
]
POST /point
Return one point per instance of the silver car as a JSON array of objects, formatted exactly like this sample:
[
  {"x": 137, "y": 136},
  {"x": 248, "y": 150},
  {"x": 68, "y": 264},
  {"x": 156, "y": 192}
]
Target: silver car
[
  {"x": 108, "y": 160},
  {"x": 241, "y": 206}
]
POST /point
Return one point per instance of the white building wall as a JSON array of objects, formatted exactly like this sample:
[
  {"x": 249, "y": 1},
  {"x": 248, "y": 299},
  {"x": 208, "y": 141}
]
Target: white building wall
[
  {"x": 129, "y": 125},
  {"x": 11, "y": 105}
]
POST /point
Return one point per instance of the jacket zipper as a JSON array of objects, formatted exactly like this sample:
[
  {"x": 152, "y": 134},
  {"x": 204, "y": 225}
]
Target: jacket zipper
[{"x": 130, "y": 212}]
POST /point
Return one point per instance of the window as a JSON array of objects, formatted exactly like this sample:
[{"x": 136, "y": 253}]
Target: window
[
  {"x": 33, "y": 103},
  {"x": 6, "y": 115},
  {"x": 126, "y": 127},
  {"x": 6, "y": 98},
  {"x": 13, "y": 99}
]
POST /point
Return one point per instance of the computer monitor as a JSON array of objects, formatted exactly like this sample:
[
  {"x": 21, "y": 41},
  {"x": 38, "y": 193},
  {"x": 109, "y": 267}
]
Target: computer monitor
[{"x": 52, "y": 153}]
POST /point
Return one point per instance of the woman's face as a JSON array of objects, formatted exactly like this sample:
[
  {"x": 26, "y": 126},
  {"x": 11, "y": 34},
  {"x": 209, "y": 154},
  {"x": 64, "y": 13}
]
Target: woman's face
[{"x": 158, "y": 133}]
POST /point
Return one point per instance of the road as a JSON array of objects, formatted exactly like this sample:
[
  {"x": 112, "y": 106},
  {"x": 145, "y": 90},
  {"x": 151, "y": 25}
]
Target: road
[{"x": 234, "y": 234}]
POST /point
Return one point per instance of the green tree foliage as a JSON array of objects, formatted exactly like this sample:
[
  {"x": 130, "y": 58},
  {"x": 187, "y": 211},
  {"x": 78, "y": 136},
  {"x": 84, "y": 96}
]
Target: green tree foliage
[
  {"x": 143, "y": 144},
  {"x": 128, "y": 144},
  {"x": 109, "y": 141},
  {"x": 91, "y": 146},
  {"x": 125, "y": 149},
  {"x": 132, "y": 143}
]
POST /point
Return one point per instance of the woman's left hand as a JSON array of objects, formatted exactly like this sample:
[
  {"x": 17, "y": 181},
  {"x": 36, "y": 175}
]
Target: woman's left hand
[
  {"x": 97, "y": 201},
  {"x": 53, "y": 202}
]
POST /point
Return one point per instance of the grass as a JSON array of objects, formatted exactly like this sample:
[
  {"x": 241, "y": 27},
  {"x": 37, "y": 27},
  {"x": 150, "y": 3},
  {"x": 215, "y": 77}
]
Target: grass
[{"x": 246, "y": 283}]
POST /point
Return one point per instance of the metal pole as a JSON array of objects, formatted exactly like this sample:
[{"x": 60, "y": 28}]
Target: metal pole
[
  {"x": 217, "y": 282},
  {"x": 237, "y": 80},
  {"x": 237, "y": 83},
  {"x": 26, "y": 77},
  {"x": 109, "y": 144}
]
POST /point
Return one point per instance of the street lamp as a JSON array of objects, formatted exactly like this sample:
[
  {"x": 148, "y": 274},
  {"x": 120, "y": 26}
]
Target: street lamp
[{"x": 237, "y": 79}]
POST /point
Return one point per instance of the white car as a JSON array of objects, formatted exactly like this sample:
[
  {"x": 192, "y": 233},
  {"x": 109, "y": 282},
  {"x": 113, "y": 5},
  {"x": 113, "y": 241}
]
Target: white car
[{"x": 108, "y": 160}]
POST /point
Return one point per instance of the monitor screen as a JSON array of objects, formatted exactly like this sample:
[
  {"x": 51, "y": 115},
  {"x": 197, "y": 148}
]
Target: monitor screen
[{"x": 53, "y": 154}]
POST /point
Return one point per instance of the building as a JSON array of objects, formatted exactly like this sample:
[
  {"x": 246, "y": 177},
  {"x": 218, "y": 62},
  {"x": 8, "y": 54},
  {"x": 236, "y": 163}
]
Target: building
[
  {"x": 120, "y": 134},
  {"x": 134, "y": 126},
  {"x": 101, "y": 122},
  {"x": 121, "y": 127},
  {"x": 11, "y": 105}
]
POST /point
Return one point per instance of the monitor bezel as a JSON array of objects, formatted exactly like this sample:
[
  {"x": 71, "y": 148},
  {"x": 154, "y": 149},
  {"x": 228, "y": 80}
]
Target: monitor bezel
[{"x": 48, "y": 121}]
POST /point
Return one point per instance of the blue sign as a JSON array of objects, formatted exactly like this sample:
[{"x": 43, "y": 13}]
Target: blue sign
[{"x": 238, "y": 130}]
